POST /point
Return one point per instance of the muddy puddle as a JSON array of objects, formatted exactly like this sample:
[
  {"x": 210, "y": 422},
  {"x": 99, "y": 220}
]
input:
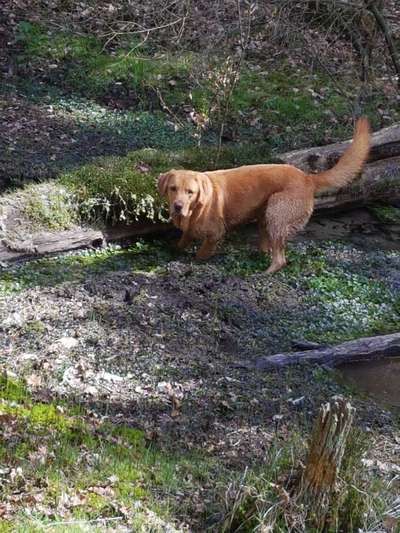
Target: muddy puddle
[{"x": 378, "y": 379}]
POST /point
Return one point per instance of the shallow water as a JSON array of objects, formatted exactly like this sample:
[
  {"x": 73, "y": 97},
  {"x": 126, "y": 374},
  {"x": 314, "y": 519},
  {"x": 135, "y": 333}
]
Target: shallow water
[{"x": 379, "y": 379}]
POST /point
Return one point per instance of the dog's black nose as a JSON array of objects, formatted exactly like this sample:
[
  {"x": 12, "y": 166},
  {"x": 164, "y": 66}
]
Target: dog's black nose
[{"x": 178, "y": 207}]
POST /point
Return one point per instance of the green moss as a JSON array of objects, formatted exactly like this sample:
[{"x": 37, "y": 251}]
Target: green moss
[
  {"x": 49, "y": 207},
  {"x": 49, "y": 272},
  {"x": 39, "y": 43},
  {"x": 88, "y": 69},
  {"x": 130, "y": 491},
  {"x": 34, "y": 327},
  {"x": 123, "y": 189},
  {"x": 76, "y": 457},
  {"x": 133, "y": 436},
  {"x": 12, "y": 390},
  {"x": 42, "y": 414},
  {"x": 292, "y": 106},
  {"x": 6, "y": 526},
  {"x": 386, "y": 214}
]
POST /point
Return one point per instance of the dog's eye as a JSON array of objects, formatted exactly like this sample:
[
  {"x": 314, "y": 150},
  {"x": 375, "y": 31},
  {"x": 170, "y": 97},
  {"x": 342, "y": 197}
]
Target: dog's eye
[
  {"x": 189, "y": 192},
  {"x": 172, "y": 188}
]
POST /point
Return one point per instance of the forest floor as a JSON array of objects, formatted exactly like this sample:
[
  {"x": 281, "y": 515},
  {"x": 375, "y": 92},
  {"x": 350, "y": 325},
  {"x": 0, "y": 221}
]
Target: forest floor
[
  {"x": 124, "y": 401},
  {"x": 126, "y": 365}
]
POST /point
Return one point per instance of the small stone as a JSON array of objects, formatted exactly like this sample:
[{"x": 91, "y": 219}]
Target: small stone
[
  {"x": 107, "y": 376},
  {"x": 68, "y": 342},
  {"x": 297, "y": 401},
  {"x": 15, "y": 320}
]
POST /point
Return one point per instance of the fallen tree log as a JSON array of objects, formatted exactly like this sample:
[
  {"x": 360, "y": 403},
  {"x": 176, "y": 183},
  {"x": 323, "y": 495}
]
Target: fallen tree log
[
  {"x": 385, "y": 144},
  {"x": 380, "y": 180},
  {"x": 364, "y": 349},
  {"x": 46, "y": 243}
]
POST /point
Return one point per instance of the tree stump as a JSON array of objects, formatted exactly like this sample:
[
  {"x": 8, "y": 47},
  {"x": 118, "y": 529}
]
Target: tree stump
[{"x": 328, "y": 441}]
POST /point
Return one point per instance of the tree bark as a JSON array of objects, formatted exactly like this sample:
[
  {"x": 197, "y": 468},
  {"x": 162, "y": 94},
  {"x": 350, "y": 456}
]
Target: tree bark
[
  {"x": 327, "y": 446},
  {"x": 380, "y": 179},
  {"x": 364, "y": 349},
  {"x": 385, "y": 143}
]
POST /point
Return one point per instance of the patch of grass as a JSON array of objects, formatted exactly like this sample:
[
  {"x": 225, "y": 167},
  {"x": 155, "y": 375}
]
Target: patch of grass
[
  {"x": 346, "y": 304},
  {"x": 386, "y": 214},
  {"x": 268, "y": 497},
  {"x": 354, "y": 305},
  {"x": 13, "y": 391},
  {"x": 140, "y": 129},
  {"x": 337, "y": 303},
  {"x": 49, "y": 206},
  {"x": 352, "y": 504},
  {"x": 293, "y": 108},
  {"x": 146, "y": 256},
  {"x": 92, "y": 470},
  {"x": 80, "y": 63}
]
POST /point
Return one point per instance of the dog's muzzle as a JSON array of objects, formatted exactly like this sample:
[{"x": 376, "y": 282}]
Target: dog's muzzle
[{"x": 178, "y": 206}]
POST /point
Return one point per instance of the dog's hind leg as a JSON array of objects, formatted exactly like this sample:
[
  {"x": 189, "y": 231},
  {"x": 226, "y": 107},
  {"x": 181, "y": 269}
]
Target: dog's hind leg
[
  {"x": 265, "y": 242},
  {"x": 287, "y": 212}
]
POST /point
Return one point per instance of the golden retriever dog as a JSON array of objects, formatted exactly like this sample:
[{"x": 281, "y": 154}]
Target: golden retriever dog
[{"x": 204, "y": 205}]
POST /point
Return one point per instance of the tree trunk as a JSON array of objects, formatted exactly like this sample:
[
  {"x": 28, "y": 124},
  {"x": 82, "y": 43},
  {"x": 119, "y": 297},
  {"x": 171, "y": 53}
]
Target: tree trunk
[{"x": 327, "y": 446}]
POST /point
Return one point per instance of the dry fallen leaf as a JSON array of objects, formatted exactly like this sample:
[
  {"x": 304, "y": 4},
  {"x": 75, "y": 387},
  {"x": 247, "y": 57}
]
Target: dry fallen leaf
[
  {"x": 176, "y": 405},
  {"x": 34, "y": 380}
]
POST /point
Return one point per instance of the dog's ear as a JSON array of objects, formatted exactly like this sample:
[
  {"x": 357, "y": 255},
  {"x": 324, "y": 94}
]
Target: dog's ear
[
  {"x": 205, "y": 189},
  {"x": 162, "y": 183}
]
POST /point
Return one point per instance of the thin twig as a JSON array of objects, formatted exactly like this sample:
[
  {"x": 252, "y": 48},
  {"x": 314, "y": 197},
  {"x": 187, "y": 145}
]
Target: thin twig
[
  {"x": 144, "y": 30},
  {"x": 93, "y": 521}
]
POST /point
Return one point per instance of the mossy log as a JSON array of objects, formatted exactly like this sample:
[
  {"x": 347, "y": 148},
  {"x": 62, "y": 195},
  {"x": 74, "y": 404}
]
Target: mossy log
[
  {"x": 318, "y": 482},
  {"x": 380, "y": 179},
  {"x": 47, "y": 243},
  {"x": 364, "y": 349}
]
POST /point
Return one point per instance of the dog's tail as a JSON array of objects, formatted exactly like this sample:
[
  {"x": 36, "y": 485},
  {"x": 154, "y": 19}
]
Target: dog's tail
[{"x": 351, "y": 162}]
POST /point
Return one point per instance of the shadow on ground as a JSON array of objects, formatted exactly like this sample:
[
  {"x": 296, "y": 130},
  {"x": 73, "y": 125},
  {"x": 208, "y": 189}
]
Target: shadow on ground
[{"x": 44, "y": 135}]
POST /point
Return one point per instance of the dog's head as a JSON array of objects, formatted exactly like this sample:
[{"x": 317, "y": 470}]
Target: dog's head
[{"x": 185, "y": 190}]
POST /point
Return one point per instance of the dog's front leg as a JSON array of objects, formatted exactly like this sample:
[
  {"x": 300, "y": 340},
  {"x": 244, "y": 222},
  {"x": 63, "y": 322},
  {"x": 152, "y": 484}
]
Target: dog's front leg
[
  {"x": 184, "y": 241},
  {"x": 207, "y": 249}
]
